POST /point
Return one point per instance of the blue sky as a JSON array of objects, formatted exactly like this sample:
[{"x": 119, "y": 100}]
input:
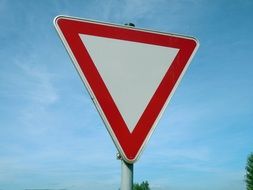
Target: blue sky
[{"x": 51, "y": 135}]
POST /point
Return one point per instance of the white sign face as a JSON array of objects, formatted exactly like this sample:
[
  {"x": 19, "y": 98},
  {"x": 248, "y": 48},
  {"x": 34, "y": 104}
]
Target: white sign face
[{"x": 130, "y": 74}]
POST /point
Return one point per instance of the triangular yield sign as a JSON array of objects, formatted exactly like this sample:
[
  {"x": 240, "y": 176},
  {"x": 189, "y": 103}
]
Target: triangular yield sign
[{"x": 130, "y": 74}]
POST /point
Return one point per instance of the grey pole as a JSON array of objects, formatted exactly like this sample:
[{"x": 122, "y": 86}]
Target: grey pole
[
  {"x": 126, "y": 175},
  {"x": 127, "y": 172}
]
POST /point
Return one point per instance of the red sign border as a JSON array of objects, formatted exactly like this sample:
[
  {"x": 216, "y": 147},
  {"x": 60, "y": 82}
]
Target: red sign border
[{"x": 129, "y": 144}]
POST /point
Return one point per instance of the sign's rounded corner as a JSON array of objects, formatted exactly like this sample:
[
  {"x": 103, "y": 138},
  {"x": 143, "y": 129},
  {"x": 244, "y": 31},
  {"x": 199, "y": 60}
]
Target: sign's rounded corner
[
  {"x": 57, "y": 18},
  {"x": 128, "y": 160},
  {"x": 196, "y": 41}
]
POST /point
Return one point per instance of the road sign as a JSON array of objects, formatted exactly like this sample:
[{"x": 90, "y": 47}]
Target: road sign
[{"x": 130, "y": 74}]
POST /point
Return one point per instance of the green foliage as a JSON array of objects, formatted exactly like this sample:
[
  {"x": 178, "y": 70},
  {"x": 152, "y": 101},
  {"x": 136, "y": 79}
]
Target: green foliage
[
  {"x": 143, "y": 186},
  {"x": 249, "y": 172}
]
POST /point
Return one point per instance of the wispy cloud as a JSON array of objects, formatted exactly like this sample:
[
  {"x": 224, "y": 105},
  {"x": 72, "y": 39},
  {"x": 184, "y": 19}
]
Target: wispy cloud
[{"x": 39, "y": 84}]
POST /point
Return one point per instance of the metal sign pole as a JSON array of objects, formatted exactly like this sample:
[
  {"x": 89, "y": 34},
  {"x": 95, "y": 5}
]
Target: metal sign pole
[{"x": 127, "y": 171}]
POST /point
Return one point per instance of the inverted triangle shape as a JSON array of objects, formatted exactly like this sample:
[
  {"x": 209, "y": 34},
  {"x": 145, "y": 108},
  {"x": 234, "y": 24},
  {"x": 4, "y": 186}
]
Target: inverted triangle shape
[
  {"x": 131, "y": 72},
  {"x": 129, "y": 141}
]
